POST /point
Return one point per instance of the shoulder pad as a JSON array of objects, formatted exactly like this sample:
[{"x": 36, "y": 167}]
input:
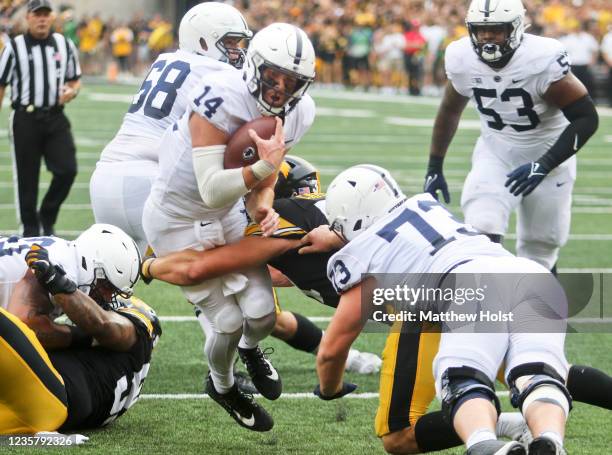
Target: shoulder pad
[
  {"x": 455, "y": 60},
  {"x": 540, "y": 52}
]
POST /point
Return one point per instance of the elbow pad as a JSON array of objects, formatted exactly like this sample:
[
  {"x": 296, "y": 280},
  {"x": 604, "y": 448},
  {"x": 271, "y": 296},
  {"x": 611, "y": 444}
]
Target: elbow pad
[{"x": 218, "y": 187}]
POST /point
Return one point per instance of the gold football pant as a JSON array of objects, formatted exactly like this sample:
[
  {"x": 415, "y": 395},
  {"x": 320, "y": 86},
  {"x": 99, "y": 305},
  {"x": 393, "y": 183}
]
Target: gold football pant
[
  {"x": 32, "y": 393},
  {"x": 407, "y": 385}
]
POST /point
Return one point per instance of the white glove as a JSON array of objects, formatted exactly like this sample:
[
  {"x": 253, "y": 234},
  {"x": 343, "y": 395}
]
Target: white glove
[{"x": 362, "y": 362}]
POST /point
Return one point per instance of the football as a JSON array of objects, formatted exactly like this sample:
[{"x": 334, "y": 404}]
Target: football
[{"x": 241, "y": 150}]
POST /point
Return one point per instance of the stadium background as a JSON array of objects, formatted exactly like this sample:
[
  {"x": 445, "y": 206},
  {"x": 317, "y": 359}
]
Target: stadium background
[{"x": 352, "y": 126}]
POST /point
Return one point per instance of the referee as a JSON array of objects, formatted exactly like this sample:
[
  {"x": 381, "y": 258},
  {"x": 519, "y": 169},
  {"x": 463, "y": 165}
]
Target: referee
[{"x": 43, "y": 71}]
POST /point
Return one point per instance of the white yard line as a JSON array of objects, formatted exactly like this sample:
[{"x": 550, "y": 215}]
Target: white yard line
[{"x": 291, "y": 396}]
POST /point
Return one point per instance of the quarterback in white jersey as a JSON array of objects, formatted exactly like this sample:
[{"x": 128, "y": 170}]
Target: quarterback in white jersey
[
  {"x": 383, "y": 231},
  {"x": 209, "y": 36},
  {"x": 197, "y": 204},
  {"x": 535, "y": 115}
]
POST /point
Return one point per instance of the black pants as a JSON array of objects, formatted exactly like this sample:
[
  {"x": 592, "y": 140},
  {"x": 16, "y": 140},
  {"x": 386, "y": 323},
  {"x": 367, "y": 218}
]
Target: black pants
[
  {"x": 38, "y": 135},
  {"x": 584, "y": 75},
  {"x": 414, "y": 69}
]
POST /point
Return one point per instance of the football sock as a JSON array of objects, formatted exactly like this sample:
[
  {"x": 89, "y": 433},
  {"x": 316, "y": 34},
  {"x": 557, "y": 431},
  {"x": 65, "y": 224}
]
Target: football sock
[
  {"x": 553, "y": 436},
  {"x": 484, "y": 434},
  {"x": 433, "y": 432},
  {"x": 220, "y": 349},
  {"x": 307, "y": 337},
  {"x": 590, "y": 385},
  {"x": 255, "y": 330}
]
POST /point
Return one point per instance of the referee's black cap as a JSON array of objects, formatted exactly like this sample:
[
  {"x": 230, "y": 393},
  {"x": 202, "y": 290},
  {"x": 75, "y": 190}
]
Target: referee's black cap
[{"x": 35, "y": 5}]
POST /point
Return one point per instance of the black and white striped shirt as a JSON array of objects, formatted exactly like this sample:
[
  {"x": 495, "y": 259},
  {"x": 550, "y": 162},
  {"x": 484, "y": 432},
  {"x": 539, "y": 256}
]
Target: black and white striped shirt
[{"x": 37, "y": 69}]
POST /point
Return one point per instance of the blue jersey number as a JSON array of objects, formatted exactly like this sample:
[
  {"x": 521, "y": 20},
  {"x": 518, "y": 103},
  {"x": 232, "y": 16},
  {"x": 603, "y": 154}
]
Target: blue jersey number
[
  {"x": 211, "y": 104},
  {"x": 15, "y": 245},
  {"x": 437, "y": 241},
  {"x": 497, "y": 123},
  {"x": 165, "y": 88}
]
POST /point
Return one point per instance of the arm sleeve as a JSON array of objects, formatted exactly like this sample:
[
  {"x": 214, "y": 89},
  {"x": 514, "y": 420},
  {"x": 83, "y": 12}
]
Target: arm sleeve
[
  {"x": 584, "y": 121},
  {"x": 218, "y": 187},
  {"x": 7, "y": 65}
]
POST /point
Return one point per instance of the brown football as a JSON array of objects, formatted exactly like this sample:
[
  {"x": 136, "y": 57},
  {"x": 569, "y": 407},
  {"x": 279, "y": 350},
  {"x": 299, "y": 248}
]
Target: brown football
[{"x": 241, "y": 150}]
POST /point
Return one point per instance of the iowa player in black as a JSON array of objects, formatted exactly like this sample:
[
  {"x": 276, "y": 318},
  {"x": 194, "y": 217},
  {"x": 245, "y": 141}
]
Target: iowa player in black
[{"x": 88, "y": 384}]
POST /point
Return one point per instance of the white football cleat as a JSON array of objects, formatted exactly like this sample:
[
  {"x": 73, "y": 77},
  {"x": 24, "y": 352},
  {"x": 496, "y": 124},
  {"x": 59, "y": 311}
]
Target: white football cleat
[{"x": 362, "y": 362}]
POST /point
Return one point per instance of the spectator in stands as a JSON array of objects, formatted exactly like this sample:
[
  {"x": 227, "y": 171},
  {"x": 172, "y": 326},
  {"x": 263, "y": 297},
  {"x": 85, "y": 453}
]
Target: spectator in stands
[
  {"x": 358, "y": 51},
  {"x": 90, "y": 34},
  {"x": 414, "y": 53},
  {"x": 582, "y": 49},
  {"x": 122, "y": 39},
  {"x": 606, "y": 53},
  {"x": 389, "y": 44},
  {"x": 434, "y": 35}
]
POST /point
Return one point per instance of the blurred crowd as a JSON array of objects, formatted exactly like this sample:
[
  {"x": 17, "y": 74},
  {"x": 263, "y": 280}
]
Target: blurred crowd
[{"x": 394, "y": 46}]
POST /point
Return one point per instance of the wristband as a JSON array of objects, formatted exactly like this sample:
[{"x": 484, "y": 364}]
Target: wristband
[{"x": 262, "y": 169}]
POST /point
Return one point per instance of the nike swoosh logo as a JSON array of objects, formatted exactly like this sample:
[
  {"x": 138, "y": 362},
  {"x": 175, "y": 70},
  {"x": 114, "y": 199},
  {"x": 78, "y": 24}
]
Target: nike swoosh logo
[
  {"x": 289, "y": 141},
  {"x": 274, "y": 374},
  {"x": 430, "y": 180},
  {"x": 248, "y": 422},
  {"x": 516, "y": 81},
  {"x": 576, "y": 143},
  {"x": 560, "y": 184},
  {"x": 205, "y": 224}
]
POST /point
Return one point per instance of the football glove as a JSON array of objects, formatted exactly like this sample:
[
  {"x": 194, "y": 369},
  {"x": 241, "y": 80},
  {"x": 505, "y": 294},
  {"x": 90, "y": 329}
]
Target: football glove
[
  {"x": 347, "y": 388},
  {"x": 434, "y": 179},
  {"x": 524, "y": 179},
  {"x": 52, "y": 277}
]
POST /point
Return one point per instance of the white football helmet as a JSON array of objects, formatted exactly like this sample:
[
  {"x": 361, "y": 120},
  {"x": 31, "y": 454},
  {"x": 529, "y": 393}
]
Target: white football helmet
[
  {"x": 358, "y": 197},
  {"x": 105, "y": 252},
  {"x": 507, "y": 14},
  {"x": 204, "y": 28},
  {"x": 286, "y": 49}
]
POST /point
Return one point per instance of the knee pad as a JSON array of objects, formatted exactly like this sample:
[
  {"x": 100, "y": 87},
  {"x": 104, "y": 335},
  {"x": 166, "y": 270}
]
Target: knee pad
[
  {"x": 264, "y": 324},
  {"x": 228, "y": 319},
  {"x": 538, "y": 381},
  {"x": 460, "y": 384},
  {"x": 488, "y": 215}
]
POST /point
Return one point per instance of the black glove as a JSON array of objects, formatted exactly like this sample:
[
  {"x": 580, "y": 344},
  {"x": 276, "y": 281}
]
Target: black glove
[
  {"x": 347, "y": 388},
  {"x": 51, "y": 277},
  {"x": 524, "y": 179},
  {"x": 434, "y": 179}
]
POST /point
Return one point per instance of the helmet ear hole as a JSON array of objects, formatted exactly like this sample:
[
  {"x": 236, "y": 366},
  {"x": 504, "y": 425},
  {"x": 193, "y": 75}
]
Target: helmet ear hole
[{"x": 203, "y": 44}]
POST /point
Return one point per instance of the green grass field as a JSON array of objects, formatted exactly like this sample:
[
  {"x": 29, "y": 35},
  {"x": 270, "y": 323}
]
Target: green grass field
[{"x": 351, "y": 128}]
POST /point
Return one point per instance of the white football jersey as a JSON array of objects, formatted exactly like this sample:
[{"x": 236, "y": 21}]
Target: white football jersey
[
  {"x": 510, "y": 100},
  {"x": 13, "y": 265},
  {"x": 162, "y": 99},
  {"x": 221, "y": 98},
  {"x": 419, "y": 236}
]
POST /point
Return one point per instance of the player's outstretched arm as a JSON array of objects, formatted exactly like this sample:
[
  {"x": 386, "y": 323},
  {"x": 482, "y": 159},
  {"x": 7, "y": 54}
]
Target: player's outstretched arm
[
  {"x": 320, "y": 240},
  {"x": 190, "y": 267},
  {"x": 110, "y": 329},
  {"x": 345, "y": 326},
  {"x": 569, "y": 95},
  {"x": 444, "y": 129}
]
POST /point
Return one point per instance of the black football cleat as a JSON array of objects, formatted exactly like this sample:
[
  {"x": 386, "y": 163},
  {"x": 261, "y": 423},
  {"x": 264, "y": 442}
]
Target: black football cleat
[
  {"x": 265, "y": 378},
  {"x": 545, "y": 446},
  {"x": 242, "y": 407},
  {"x": 494, "y": 447}
]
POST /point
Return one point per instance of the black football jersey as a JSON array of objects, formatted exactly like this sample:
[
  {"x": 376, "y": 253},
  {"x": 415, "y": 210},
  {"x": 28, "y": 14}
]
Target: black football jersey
[
  {"x": 102, "y": 384},
  {"x": 299, "y": 215}
]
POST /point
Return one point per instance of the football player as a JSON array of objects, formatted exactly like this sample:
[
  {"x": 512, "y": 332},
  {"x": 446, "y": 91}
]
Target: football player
[
  {"x": 99, "y": 361},
  {"x": 197, "y": 204},
  {"x": 535, "y": 115},
  {"x": 374, "y": 221},
  {"x": 210, "y": 38},
  {"x": 300, "y": 206}
]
